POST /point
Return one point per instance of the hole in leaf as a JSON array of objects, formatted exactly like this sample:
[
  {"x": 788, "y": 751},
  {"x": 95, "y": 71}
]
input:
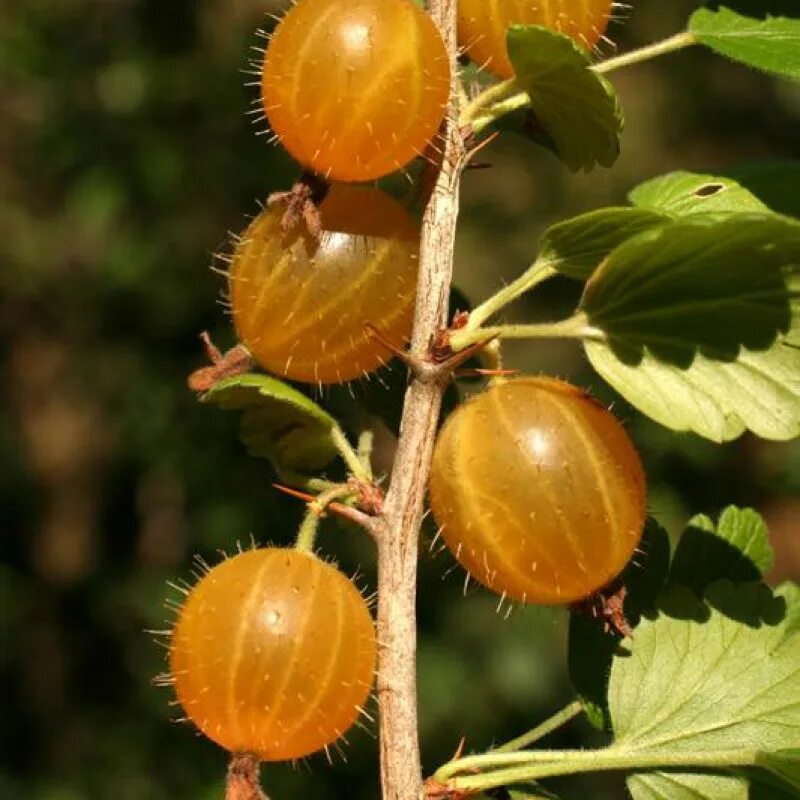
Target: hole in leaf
[{"x": 709, "y": 189}]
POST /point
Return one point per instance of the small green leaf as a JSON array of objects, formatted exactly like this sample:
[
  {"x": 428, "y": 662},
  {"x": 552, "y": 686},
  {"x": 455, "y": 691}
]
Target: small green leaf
[
  {"x": 279, "y": 422},
  {"x": 771, "y": 44},
  {"x": 577, "y": 108},
  {"x": 775, "y": 183},
  {"x": 680, "y": 194},
  {"x": 704, "y": 283},
  {"x": 736, "y": 548},
  {"x": 576, "y": 246},
  {"x": 700, "y": 679}
]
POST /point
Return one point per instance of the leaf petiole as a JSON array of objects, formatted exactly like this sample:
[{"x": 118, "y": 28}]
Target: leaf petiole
[
  {"x": 538, "y": 273},
  {"x": 500, "y": 99},
  {"x": 365, "y": 443},
  {"x": 358, "y": 467},
  {"x": 492, "y": 95},
  {"x": 300, "y": 481},
  {"x": 575, "y": 327},
  {"x": 506, "y": 769},
  {"x": 674, "y": 43},
  {"x": 307, "y": 533},
  {"x": 500, "y": 109},
  {"x": 558, "y": 719}
]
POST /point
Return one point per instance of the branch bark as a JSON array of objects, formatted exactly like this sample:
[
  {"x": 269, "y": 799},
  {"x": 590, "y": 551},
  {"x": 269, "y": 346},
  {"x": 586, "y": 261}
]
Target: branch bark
[{"x": 401, "y": 773}]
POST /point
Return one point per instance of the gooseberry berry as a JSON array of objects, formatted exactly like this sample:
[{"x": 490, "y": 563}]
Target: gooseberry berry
[
  {"x": 355, "y": 90},
  {"x": 538, "y": 490},
  {"x": 300, "y": 305},
  {"x": 482, "y": 25},
  {"x": 273, "y": 653}
]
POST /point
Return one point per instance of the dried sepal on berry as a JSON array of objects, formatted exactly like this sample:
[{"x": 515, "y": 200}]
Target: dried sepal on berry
[{"x": 303, "y": 305}]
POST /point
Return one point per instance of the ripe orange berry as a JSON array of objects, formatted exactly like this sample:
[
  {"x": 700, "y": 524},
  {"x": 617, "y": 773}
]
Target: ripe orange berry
[
  {"x": 300, "y": 305},
  {"x": 355, "y": 90},
  {"x": 273, "y": 654},
  {"x": 538, "y": 490},
  {"x": 482, "y": 25}
]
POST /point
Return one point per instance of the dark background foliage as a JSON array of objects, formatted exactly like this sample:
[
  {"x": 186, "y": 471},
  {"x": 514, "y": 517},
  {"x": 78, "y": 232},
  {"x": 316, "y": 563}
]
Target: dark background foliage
[{"x": 125, "y": 156}]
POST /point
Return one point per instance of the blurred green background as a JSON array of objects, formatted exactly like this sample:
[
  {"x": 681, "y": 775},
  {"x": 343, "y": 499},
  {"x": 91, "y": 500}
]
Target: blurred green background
[{"x": 125, "y": 157}]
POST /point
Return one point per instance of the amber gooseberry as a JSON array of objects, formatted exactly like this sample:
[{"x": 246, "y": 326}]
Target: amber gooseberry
[
  {"x": 482, "y": 25},
  {"x": 300, "y": 305},
  {"x": 355, "y": 89},
  {"x": 273, "y": 653},
  {"x": 538, "y": 490}
]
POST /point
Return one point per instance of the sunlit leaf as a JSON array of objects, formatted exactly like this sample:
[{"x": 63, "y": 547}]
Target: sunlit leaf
[
  {"x": 681, "y": 194},
  {"x": 709, "y": 678},
  {"x": 771, "y": 44},
  {"x": 759, "y": 391}
]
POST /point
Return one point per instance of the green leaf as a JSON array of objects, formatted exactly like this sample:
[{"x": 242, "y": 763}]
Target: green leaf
[
  {"x": 771, "y": 44},
  {"x": 577, "y": 108},
  {"x": 702, "y": 283},
  {"x": 760, "y": 391},
  {"x": 736, "y": 548},
  {"x": 279, "y": 422},
  {"x": 698, "y": 680},
  {"x": 694, "y": 786},
  {"x": 576, "y": 246},
  {"x": 775, "y": 183},
  {"x": 680, "y": 194},
  {"x": 758, "y": 186},
  {"x": 591, "y": 649}
]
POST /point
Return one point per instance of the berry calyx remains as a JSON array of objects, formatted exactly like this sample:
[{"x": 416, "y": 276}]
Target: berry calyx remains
[{"x": 301, "y": 305}]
